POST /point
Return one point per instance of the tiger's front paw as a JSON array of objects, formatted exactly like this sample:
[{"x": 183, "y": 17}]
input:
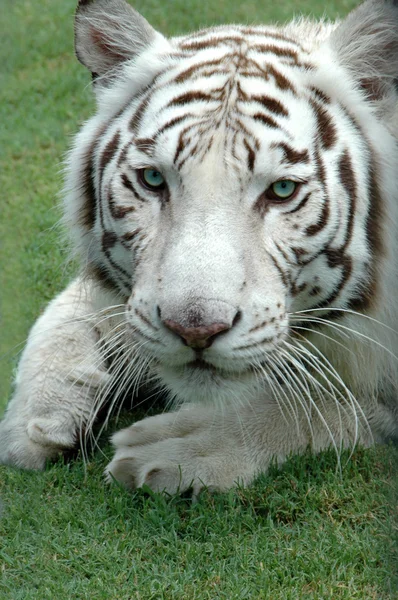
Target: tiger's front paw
[
  {"x": 177, "y": 451},
  {"x": 30, "y": 445}
]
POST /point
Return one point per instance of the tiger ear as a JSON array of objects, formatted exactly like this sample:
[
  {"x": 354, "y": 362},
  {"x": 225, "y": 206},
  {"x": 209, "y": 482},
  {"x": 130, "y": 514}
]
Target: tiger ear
[
  {"x": 366, "y": 43},
  {"x": 109, "y": 32}
]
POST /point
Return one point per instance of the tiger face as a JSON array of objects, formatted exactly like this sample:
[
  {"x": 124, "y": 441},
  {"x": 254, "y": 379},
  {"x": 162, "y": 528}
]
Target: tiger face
[{"x": 226, "y": 185}]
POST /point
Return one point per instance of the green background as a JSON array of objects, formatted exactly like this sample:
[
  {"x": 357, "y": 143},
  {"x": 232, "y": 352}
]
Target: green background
[{"x": 302, "y": 532}]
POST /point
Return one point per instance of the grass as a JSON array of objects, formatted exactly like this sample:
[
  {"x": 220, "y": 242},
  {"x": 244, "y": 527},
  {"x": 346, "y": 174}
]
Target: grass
[{"x": 302, "y": 532}]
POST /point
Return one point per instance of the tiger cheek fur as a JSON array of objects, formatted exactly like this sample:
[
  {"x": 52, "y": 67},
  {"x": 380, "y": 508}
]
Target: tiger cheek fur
[{"x": 233, "y": 204}]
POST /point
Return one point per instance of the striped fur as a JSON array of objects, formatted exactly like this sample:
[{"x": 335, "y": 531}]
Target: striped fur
[{"x": 212, "y": 286}]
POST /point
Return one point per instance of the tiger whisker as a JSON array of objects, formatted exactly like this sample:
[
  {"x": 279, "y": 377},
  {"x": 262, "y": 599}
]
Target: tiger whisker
[
  {"x": 332, "y": 392},
  {"x": 302, "y": 383},
  {"x": 297, "y": 392},
  {"x": 356, "y": 407},
  {"x": 332, "y": 325},
  {"x": 113, "y": 347},
  {"x": 344, "y": 310},
  {"x": 131, "y": 375},
  {"x": 339, "y": 326},
  {"x": 278, "y": 391},
  {"x": 329, "y": 367},
  {"x": 323, "y": 334},
  {"x": 277, "y": 366}
]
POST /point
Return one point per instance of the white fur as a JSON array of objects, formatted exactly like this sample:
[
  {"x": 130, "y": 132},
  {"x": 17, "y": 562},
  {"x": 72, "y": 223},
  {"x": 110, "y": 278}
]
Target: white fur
[{"x": 209, "y": 251}]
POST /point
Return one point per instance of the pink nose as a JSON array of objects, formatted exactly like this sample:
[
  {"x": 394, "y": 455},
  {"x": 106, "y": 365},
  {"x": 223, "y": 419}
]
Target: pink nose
[{"x": 197, "y": 337}]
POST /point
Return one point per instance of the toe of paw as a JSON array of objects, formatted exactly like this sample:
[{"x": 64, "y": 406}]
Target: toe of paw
[
  {"x": 163, "y": 478},
  {"x": 123, "y": 438},
  {"x": 24, "y": 454},
  {"x": 49, "y": 433},
  {"x": 123, "y": 471},
  {"x": 138, "y": 434}
]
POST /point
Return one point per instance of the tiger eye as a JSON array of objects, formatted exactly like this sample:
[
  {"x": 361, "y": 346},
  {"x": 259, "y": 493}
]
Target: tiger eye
[
  {"x": 284, "y": 189},
  {"x": 152, "y": 179}
]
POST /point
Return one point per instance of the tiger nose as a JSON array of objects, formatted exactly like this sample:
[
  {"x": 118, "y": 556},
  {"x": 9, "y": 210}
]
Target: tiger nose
[{"x": 200, "y": 337}]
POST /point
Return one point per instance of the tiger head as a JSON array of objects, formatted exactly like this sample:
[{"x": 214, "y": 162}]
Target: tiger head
[{"x": 232, "y": 180}]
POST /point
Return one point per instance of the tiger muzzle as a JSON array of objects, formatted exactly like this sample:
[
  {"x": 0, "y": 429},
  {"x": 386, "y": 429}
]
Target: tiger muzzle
[{"x": 199, "y": 325}]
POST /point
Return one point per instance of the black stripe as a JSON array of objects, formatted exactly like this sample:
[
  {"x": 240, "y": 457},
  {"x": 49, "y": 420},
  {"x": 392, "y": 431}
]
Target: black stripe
[
  {"x": 324, "y": 217},
  {"x": 284, "y": 276},
  {"x": 300, "y": 205},
  {"x": 251, "y": 156},
  {"x": 271, "y": 104},
  {"x": 193, "y": 96},
  {"x": 109, "y": 152},
  {"x": 194, "y": 69},
  {"x": 326, "y": 129},
  {"x": 269, "y": 121},
  {"x": 293, "y": 156},
  {"x": 127, "y": 184},
  {"x": 281, "y": 81},
  {"x": 118, "y": 212}
]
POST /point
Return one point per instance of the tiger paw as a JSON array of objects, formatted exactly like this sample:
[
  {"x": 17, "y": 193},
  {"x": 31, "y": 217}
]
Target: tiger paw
[
  {"x": 175, "y": 452},
  {"x": 30, "y": 445}
]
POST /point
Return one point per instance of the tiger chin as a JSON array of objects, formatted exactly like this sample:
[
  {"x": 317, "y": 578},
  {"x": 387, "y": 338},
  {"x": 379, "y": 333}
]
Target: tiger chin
[{"x": 233, "y": 205}]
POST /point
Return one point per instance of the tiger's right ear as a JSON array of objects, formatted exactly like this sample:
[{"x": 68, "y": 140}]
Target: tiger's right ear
[{"x": 109, "y": 32}]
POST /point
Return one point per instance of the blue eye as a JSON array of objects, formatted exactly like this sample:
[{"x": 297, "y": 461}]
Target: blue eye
[
  {"x": 152, "y": 179},
  {"x": 283, "y": 189}
]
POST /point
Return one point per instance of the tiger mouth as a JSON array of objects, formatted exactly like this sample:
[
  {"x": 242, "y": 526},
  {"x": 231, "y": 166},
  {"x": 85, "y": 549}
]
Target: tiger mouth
[{"x": 202, "y": 365}]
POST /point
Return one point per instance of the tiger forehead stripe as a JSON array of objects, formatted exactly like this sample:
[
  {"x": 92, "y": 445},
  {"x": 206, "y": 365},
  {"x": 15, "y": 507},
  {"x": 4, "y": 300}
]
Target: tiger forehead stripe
[
  {"x": 251, "y": 155},
  {"x": 145, "y": 145},
  {"x": 266, "y": 120},
  {"x": 238, "y": 41},
  {"x": 326, "y": 129},
  {"x": 281, "y": 81},
  {"x": 197, "y": 69},
  {"x": 258, "y": 32},
  {"x": 271, "y": 104},
  {"x": 266, "y": 33},
  {"x": 192, "y": 96},
  {"x": 212, "y": 42},
  {"x": 280, "y": 51},
  {"x": 291, "y": 155},
  {"x": 173, "y": 122}
]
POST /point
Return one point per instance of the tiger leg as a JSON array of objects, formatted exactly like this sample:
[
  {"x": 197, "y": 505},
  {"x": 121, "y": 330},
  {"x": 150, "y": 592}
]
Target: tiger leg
[
  {"x": 58, "y": 377},
  {"x": 201, "y": 447}
]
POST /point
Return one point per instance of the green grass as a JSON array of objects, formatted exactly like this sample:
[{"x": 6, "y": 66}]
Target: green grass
[{"x": 303, "y": 532}]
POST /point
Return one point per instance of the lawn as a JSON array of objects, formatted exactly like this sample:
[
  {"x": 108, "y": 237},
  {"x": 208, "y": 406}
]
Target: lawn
[{"x": 303, "y": 532}]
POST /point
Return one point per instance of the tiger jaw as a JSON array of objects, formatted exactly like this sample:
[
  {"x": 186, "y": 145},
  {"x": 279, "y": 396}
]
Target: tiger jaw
[{"x": 202, "y": 382}]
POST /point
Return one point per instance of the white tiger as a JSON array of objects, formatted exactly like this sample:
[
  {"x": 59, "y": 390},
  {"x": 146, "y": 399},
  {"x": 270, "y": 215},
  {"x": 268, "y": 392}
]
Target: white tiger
[{"x": 233, "y": 204}]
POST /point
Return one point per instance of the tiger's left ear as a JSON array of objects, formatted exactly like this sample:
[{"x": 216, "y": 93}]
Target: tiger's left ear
[
  {"x": 366, "y": 43},
  {"x": 109, "y": 32}
]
